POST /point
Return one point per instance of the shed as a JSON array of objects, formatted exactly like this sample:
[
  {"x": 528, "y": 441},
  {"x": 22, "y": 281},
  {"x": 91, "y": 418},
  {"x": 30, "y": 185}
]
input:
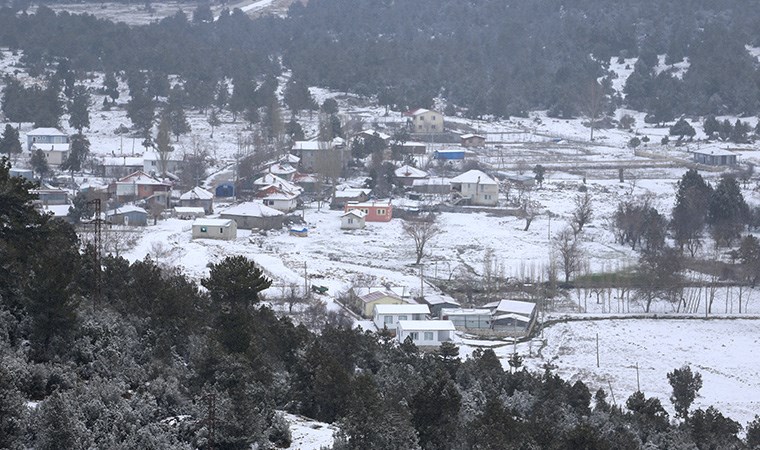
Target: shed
[
  {"x": 188, "y": 212},
  {"x": 198, "y": 197},
  {"x": 365, "y": 304},
  {"x": 252, "y": 215},
  {"x": 425, "y": 333},
  {"x": 715, "y": 157},
  {"x": 128, "y": 215},
  {"x": 468, "y": 319},
  {"x": 406, "y": 175},
  {"x": 352, "y": 220},
  {"x": 449, "y": 155},
  {"x": 472, "y": 140},
  {"x": 225, "y": 229},
  {"x": 437, "y": 302},
  {"x": 225, "y": 190}
]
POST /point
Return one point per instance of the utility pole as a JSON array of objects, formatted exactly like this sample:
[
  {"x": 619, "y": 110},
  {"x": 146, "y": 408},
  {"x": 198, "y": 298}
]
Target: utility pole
[
  {"x": 638, "y": 384},
  {"x": 597, "y": 350},
  {"x": 98, "y": 244},
  {"x": 211, "y": 419}
]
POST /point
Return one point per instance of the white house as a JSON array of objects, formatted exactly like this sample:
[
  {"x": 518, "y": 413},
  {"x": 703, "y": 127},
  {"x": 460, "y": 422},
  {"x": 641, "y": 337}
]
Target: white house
[
  {"x": 512, "y": 315},
  {"x": 425, "y": 121},
  {"x": 152, "y": 163},
  {"x": 198, "y": 197},
  {"x": 352, "y": 220},
  {"x": 425, "y": 333},
  {"x": 386, "y": 316},
  {"x": 225, "y": 229},
  {"x": 46, "y": 136},
  {"x": 475, "y": 187}
]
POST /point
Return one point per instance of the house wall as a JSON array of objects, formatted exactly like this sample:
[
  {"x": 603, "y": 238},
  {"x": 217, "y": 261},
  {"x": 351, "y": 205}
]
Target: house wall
[
  {"x": 351, "y": 223},
  {"x": 55, "y": 157},
  {"x": 418, "y": 337},
  {"x": 223, "y": 233},
  {"x": 428, "y": 122},
  {"x": 134, "y": 219},
  {"x": 281, "y": 204},
  {"x": 31, "y": 140},
  {"x": 481, "y": 194},
  {"x": 250, "y": 222},
  {"x": 390, "y": 320},
  {"x": 207, "y": 205},
  {"x": 470, "y": 322},
  {"x": 369, "y": 308},
  {"x": 377, "y": 213}
]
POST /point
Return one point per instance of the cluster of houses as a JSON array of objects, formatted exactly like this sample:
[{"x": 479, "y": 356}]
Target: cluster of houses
[{"x": 432, "y": 322}]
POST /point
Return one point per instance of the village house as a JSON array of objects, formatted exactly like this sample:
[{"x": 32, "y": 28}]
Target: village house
[
  {"x": 306, "y": 181},
  {"x": 139, "y": 185},
  {"x": 425, "y": 121},
  {"x": 472, "y": 140},
  {"x": 224, "y": 229},
  {"x": 425, "y": 333},
  {"x": 386, "y": 316},
  {"x": 127, "y": 215},
  {"x": 413, "y": 148},
  {"x": 254, "y": 215},
  {"x": 365, "y": 134},
  {"x": 198, "y": 197},
  {"x": 282, "y": 170},
  {"x": 476, "y": 188},
  {"x": 513, "y": 316},
  {"x": 365, "y": 304},
  {"x": 278, "y": 198},
  {"x": 437, "y": 302},
  {"x": 312, "y": 153},
  {"x": 53, "y": 142},
  {"x": 715, "y": 157},
  {"x": 406, "y": 175},
  {"x": 344, "y": 195},
  {"x": 153, "y": 164},
  {"x": 375, "y": 211},
  {"x": 352, "y": 220},
  {"x": 438, "y": 185},
  {"x": 48, "y": 195},
  {"x": 120, "y": 166}
]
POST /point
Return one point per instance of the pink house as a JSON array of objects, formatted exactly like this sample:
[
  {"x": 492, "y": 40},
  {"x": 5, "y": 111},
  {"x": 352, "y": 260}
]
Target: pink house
[{"x": 375, "y": 211}]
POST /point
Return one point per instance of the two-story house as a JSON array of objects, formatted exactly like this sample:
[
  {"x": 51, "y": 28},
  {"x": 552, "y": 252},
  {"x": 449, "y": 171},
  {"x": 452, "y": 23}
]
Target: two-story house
[
  {"x": 475, "y": 187},
  {"x": 425, "y": 121},
  {"x": 53, "y": 142}
]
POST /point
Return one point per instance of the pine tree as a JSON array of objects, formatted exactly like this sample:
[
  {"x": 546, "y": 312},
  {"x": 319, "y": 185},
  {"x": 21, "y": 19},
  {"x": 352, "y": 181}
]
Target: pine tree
[
  {"x": 163, "y": 144},
  {"x": 141, "y": 111},
  {"x": 213, "y": 121},
  {"x": 9, "y": 142},
  {"x": 13, "y": 415},
  {"x": 59, "y": 425},
  {"x": 39, "y": 163},
  {"x": 79, "y": 109},
  {"x": 111, "y": 86},
  {"x": 235, "y": 283},
  {"x": 79, "y": 150},
  {"x": 685, "y": 386}
]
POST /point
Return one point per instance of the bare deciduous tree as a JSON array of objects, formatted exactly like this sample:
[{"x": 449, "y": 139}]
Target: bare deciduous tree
[
  {"x": 568, "y": 252},
  {"x": 583, "y": 212},
  {"x": 422, "y": 231},
  {"x": 528, "y": 211}
]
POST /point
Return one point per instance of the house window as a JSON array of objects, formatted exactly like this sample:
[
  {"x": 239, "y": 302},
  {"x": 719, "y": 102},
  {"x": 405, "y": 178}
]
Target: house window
[
  {"x": 380, "y": 212},
  {"x": 433, "y": 127},
  {"x": 153, "y": 163},
  {"x": 365, "y": 211},
  {"x": 269, "y": 202},
  {"x": 388, "y": 320},
  {"x": 428, "y": 335},
  {"x": 204, "y": 229},
  {"x": 350, "y": 221},
  {"x": 415, "y": 336},
  {"x": 221, "y": 230},
  {"x": 422, "y": 118},
  {"x": 401, "y": 317},
  {"x": 419, "y": 127}
]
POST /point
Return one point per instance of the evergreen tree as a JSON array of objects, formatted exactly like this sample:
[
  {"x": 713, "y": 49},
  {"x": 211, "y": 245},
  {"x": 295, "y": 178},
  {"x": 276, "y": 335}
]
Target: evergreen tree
[
  {"x": 297, "y": 96},
  {"x": 39, "y": 163},
  {"x": 163, "y": 144},
  {"x": 685, "y": 386},
  {"x": 727, "y": 211},
  {"x": 60, "y": 426},
  {"x": 111, "y": 86},
  {"x": 157, "y": 85},
  {"x": 9, "y": 142},
  {"x": 690, "y": 211},
  {"x": 235, "y": 283},
  {"x": 682, "y": 128},
  {"x": 141, "y": 111},
  {"x": 435, "y": 410},
  {"x": 711, "y": 126},
  {"x": 213, "y": 121},
  {"x": 79, "y": 150},
  {"x": 222, "y": 94},
  {"x": 48, "y": 109},
  {"x": 294, "y": 131},
  {"x": 178, "y": 122},
  {"x": 79, "y": 109},
  {"x": 13, "y": 415}
]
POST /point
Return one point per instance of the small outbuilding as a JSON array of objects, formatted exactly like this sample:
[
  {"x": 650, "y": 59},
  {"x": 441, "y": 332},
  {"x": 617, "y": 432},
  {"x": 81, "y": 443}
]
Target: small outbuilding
[
  {"x": 198, "y": 197},
  {"x": 224, "y": 229},
  {"x": 225, "y": 190},
  {"x": 468, "y": 319},
  {"x": 365, "y": 304},
  {"x": 406, "y": 175},
  {"x": 128, "y": 215},
  {"x": 188, "y": 212},
  {"x": 715, "y": 157},
  {"x": 252, "y": 215},
  {"x": 352, "y": 220},
  {"x": 374, "y": 211},
  {"x": 472, "y": 140},
  {"x": 425, "y": 333}
]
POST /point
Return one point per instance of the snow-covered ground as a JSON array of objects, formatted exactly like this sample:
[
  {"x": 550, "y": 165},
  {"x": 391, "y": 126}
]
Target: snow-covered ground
[{"x": 309, "y": 434}]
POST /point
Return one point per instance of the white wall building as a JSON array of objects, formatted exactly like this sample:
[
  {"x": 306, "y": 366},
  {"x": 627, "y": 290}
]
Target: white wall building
[
  {"x": 476, "y": 187},
  {"x": 425, "y": 333},
  {"x": 387, "y": 316}
]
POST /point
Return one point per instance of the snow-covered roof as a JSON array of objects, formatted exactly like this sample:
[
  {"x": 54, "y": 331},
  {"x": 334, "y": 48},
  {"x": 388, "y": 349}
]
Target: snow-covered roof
[
  {"x": 280, "y": 169},
  {"x": 474, "y": 177},
  {"x": 197, "y": 193},
  {"x": 715, "y": 152},
  {"x": 377, "y": 295},
  {"x": 402, "y": 309},
  {"x": 46, "y": 132},
  {"x": 142, "y": 178},
  {"x": 469, "y": 136},
  {"x": 354, "y": 212},
  {"x": 212, "y": 222},
  {"x": 515, "y": 306},
  {"x": 465, "y": 312},
  {"x": 57, "y": 210},
  {"x": 432, "y": 182},
  {"x": 374, "y": 133},
  {"x": 252, "y": 209},
  {"x": 280, "y": 196},
  {"x": 351, "y": 192},
  {"x": 189, "y": 210},
  {"x": 311, "y": 145},
  {"x": 59, "y": 147},
  {"x": 125, "y": 210},
  {"x": 304, "y": 178},
  {"x": 519, "y": 317},
  {"x": 426, "y": 325},
  {"x": 123, "y": 161},
  {"x": 410, "y": 172},
  {"x": 436, "y": 299},
  {"x": 418, "y": 111},
  {"x": 271, "y": 179},
  {"x": 155, "y": 156},
  {"x": 385, "y": 204},
  {"x": 289, "y": 158},
  {"x": 400, "y": 291},
  {"x": 413, "y": 144}
]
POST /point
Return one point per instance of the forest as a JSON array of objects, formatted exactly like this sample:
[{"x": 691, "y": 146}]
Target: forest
[
  {"x": 111, "y": 354},
  {"x": 487, "y": 57}
]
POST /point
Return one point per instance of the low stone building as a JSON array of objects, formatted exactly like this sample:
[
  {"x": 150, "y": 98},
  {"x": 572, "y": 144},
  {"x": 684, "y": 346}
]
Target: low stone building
[{"x": 225, "y": 229}]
